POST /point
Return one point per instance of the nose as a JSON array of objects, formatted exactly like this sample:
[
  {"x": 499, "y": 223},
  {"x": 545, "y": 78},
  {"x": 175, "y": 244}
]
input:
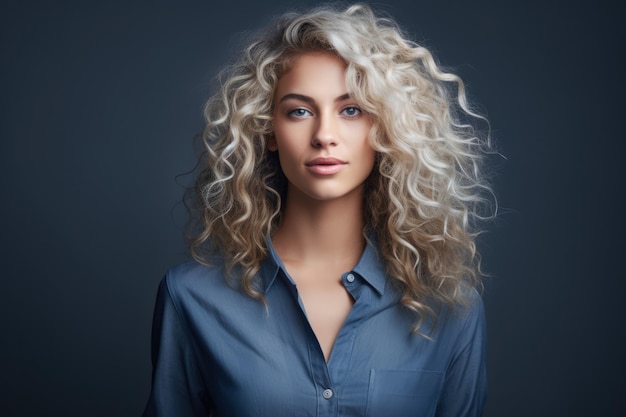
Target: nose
[{"x": 325, "y": 133}]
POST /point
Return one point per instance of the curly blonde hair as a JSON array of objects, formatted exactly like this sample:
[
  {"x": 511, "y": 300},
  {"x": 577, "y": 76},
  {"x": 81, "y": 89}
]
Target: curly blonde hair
[{"x": 426, "y": 190}]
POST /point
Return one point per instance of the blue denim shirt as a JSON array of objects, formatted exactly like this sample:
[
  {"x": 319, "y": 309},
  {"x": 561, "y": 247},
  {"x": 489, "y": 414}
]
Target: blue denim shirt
[{"x": 219, "y": 352}]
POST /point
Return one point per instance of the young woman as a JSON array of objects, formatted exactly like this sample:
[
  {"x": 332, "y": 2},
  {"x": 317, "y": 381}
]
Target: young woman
[{"x": 336, "y": 270}]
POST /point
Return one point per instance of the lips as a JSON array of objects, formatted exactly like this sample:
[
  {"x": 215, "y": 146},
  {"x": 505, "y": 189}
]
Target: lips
[
  {"x": 325, "y": 161},
  {"x": 325, "y": 166}
]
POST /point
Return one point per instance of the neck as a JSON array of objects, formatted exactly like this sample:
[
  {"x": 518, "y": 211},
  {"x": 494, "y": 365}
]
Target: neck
[{"x": 329, "y": 230}]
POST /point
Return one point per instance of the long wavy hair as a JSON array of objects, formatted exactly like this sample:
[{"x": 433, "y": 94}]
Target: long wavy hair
[{"x": 426, "y": 191}]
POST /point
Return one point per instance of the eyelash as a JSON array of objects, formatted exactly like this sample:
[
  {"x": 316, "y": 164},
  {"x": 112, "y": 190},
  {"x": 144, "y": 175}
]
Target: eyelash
[
  {"x": 293, "y": 112},
  {"x": 357, "y": 113}
]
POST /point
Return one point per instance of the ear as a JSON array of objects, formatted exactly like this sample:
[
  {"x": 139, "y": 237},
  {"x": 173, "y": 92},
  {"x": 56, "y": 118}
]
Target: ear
[{"x": 272, "y": 145}]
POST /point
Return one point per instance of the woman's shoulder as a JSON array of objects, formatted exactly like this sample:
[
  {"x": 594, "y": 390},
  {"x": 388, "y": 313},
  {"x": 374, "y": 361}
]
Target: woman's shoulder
[
  {"x": 196, "y": 288},
  {"x": 192, "y": 269},
  {"x": 192, "y": 276},
  {"x": 468, "y": 309},
  {"x": 463, "y": 322}
]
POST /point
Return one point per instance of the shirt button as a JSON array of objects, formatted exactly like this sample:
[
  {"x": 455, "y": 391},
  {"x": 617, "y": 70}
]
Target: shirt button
[
  {"x": 350, "y": 278},
  {"x": 327, "y": 394}
]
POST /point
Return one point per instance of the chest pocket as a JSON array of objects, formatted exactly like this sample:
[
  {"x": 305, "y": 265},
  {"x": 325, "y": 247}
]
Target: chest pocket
[{"x": 403, "y": 393}]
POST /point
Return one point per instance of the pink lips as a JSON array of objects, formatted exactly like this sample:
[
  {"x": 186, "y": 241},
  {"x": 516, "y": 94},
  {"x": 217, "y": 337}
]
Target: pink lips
[{"x": 326, "y": 166}]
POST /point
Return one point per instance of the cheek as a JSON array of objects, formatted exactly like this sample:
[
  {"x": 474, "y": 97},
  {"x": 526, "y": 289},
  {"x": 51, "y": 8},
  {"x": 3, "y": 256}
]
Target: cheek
[
  {"x": 288, "y": 147},
  {"x": 291, "y": 137},
  {"x": 368, "y": 154},
  {"x": 370, "y": 157},
  {"x": 277, "y": 132},
  {"x": 362, "y": 142}
]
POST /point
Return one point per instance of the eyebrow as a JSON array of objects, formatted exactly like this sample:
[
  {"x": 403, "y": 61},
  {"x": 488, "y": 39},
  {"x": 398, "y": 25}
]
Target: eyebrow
[{"x": 308, "y": 99}]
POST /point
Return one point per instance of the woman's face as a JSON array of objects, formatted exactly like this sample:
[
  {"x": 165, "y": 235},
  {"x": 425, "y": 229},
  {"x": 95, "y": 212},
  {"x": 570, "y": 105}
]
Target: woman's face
[{"x": 320, "y": 133}]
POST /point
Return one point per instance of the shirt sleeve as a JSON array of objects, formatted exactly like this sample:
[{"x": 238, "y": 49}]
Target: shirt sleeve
[
  {"x": 465, "y": 384},
  {"x": 177, "y": 385}
]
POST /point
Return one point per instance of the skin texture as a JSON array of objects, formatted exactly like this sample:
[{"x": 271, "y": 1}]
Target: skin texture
[
  {"x": 314, "y": 117},
  {"x": 320, "y": 236}
]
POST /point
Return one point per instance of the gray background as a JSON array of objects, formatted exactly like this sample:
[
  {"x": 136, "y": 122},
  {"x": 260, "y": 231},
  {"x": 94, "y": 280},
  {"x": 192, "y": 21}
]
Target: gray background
[{"x": 100, "y": 101}]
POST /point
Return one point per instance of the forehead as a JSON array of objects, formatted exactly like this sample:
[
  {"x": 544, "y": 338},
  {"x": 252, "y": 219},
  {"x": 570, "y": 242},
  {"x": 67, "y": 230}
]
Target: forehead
[{"x": 314, "y": 74}]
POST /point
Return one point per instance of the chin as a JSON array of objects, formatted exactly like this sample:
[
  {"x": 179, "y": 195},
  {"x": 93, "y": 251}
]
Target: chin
[{"x": 333, "y": 194}]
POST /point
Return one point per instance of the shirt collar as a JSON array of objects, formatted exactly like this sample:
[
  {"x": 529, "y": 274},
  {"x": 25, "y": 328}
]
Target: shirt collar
[
  {"x": 270, "y": 267},
  {"x": 370, "y": 267}
]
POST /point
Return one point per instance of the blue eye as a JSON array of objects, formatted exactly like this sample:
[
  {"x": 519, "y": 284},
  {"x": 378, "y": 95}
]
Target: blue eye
[
  {"x": 351, "y": 111},
  {"x": 299, "y": 113}
]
